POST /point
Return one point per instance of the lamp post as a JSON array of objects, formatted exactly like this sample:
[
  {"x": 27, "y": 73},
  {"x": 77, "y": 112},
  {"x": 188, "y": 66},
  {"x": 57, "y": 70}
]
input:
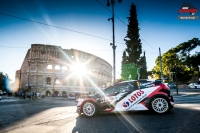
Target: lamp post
[{"x": 113, "y": 28}]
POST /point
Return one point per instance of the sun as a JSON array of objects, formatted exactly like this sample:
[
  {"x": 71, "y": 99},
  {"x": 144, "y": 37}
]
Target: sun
[{"x": 78, "y": 69}]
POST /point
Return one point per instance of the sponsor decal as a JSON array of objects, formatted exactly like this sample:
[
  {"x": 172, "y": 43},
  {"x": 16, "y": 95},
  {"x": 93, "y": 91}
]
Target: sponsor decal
[
  {"x": 146, "y": 85},
  {"x": 135, "y": 98},
  {"x": 126, "y": 104},
  {"x": 188, "y": 8}
]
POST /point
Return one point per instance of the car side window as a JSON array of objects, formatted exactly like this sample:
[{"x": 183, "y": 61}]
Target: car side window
[
  {"x": 124, "y": 88},
  {"x": 109, "y": 90}
]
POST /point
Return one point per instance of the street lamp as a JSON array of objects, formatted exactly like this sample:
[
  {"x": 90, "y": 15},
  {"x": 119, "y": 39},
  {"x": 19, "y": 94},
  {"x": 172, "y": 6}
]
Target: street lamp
[{"x": 113, "y": 27}]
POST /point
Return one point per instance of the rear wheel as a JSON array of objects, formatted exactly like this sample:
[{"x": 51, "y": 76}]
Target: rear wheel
[
  {"x": 90, "y": 109},
  {"x": 159, "y": 105}
]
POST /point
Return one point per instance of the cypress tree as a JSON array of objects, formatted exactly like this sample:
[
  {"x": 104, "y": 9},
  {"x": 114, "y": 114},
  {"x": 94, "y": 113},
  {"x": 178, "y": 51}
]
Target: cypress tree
[
  {"x": 143, "y": 67},
  {"x": 132, "y": 40},
  {"x": 133, "y": 50}
]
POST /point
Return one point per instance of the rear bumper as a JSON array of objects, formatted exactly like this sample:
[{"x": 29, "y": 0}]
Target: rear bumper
[{"x": 171, "y": 100}]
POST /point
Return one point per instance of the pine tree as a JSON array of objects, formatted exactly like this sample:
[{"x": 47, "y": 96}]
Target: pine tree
[{"x": 133, "y": 50}]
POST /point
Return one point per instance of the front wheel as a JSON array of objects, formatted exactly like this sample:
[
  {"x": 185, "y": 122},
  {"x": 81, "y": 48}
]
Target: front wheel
[
  {"x": 159, "y": 105},
  {"x": 90, "y": 109}
]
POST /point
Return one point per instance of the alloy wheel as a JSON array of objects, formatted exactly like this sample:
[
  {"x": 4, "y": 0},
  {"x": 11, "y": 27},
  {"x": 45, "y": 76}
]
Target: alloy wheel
[
  {"x": 89, "y": 109},
  {"x": 160, "y": 105}
]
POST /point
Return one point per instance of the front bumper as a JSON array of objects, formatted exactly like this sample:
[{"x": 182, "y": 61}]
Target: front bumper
[{"x": 78, "y": 109}]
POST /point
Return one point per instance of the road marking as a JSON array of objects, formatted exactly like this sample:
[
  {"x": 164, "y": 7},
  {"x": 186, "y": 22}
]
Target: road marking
[{"x": 190, "y": 106}]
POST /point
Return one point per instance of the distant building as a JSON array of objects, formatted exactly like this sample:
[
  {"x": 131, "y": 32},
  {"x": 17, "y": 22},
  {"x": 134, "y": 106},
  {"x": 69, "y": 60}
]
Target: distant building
[{"x": 49, "y": 69}]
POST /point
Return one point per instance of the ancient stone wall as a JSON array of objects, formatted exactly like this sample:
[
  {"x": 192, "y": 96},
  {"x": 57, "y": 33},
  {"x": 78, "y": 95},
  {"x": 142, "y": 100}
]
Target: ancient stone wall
[{"x": 49, "y": 69}]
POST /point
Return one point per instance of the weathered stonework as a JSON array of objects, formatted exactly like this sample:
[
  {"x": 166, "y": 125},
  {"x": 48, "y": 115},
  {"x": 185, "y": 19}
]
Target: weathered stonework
[{"x": 48, "y": 69}]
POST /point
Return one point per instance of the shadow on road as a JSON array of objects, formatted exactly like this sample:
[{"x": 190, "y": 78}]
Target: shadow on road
[
  {"x": 14, "y": 111},
  {"x": 176, "y": 120}
]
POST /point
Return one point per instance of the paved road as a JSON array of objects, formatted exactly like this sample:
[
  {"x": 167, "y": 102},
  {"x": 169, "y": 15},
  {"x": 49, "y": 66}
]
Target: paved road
[{"x": 59, "y": 116}]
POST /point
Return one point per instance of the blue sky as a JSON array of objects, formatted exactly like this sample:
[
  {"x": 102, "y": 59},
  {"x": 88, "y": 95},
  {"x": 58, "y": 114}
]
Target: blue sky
[{"x": 158, "y": 23}]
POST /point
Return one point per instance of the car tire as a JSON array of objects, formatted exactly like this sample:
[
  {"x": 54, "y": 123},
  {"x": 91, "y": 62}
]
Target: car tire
[
  {"x": 89, "y": 109},
  {"x": 159, "y": 105}
]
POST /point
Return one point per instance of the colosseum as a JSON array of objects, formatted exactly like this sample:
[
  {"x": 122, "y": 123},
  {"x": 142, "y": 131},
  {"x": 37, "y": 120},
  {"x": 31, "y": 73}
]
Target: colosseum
[{"x": 49, "y": 69}]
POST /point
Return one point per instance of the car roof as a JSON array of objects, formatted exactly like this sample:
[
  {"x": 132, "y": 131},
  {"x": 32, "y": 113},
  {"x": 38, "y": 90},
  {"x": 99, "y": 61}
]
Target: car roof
[{"x": 128, "y": 81}]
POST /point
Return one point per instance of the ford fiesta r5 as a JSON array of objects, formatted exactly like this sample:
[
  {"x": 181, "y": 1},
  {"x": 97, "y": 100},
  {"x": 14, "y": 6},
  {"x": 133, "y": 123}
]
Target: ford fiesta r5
[{"x": 128, "y": 96}]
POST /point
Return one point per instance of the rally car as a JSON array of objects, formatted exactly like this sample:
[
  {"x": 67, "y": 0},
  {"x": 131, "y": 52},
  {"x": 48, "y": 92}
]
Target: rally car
[{"x": 128, "y": 96}]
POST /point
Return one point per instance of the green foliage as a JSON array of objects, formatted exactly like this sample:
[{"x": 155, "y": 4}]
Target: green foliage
[
  {"x": 143, "y": 67},
  {"x": 129, "y": 72},
  {"x": 132, "y": 54},
  {"x": 179, "y": 57},
  {"x": 2, "y": 85},
  {"x": 132, "y": 40}
]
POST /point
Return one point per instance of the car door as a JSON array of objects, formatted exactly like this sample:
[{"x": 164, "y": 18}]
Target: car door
[
  {"x": 114, "y": 95},
  {"x": 126, "y": 99},
  {"x": 192, "y": 85}
]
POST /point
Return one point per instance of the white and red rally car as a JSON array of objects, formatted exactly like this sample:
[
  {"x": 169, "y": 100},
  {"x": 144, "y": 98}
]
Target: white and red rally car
[{"x": 128, "y": 96}]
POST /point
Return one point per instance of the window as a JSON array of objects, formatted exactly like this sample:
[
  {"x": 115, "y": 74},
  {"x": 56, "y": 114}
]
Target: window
[
  {"x": 122, "y": 88},
  {"x": 64, "y": 68},
  {"x": 109, "y": 90},
  {"x": 57, "y": 67},
  {"x": 49, "y": 67}
]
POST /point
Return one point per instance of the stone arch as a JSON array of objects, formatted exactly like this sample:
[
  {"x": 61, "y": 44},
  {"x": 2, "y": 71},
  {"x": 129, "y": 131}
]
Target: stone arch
[
  {"x": 57, "y": 81},
  {"x": 55, "y": 93},
  {"x": 57, "y": 68},
  {"x": 48, "y": 93},
  {"x": 49, "y": 67},
  {"x": 48, "y": 80},
  {"x": 64, "y": 94},
  {"x": 64, "y": 68}
]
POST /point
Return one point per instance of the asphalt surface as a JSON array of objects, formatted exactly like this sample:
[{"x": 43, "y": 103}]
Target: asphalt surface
[{"x": 59, "y": 115}]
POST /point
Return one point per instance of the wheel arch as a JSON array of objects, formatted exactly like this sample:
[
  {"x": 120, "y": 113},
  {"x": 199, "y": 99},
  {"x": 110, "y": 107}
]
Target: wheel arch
[
  {"x": 159, "y": 96},
  {"x": 156, "y": 96}
]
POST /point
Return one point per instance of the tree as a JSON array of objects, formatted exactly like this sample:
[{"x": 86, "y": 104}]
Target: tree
[
  {"x": 143, "y": 67},
  {"x": 129, "y": 71},
  {"x": 3, "y": 85},
  {"x": 132, "y": 40},
  {"x": 131, "y": 56},
  {"x": 124, "y": 58},
  {"x": 179, "y": 57}
]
